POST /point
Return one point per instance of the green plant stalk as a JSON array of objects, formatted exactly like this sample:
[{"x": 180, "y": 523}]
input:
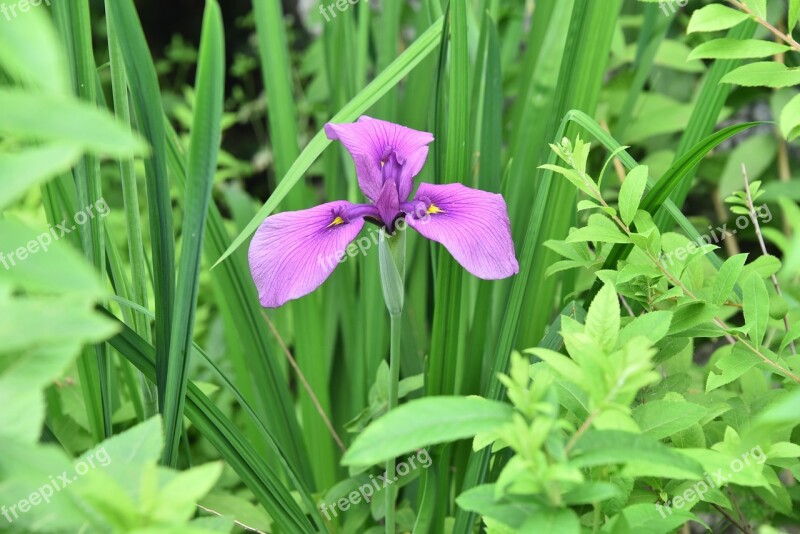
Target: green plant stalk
[
  {"x": 581, "y": 78},
  {"x": 704, "y": 116},
  {"x": 133, "y": 226},
  {"x": 392, "y": 257},
  {"x": 146, "y": 96},
  {"x": 202, "y": 164},
  {"x": 394, "y": 381},
  {"x": 264, "y": 382},
  {"x": 654, "y": 31},
  {"x": 74, "y": 21},
  {"x": 273, "y": 49},
  {"x": 588, "y": 42}
]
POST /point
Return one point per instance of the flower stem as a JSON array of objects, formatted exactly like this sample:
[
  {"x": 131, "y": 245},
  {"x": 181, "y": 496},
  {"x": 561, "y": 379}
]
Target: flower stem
[
  {"x": 394, "y": 380},
  {"x": 392, "y": 251}
]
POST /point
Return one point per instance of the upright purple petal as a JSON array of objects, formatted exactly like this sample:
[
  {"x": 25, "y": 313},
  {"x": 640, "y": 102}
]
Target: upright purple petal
[
  {"x": 372, "y": 142},
  {"x": 472, "y": 224},
  {"x": 294, "y": 252}
]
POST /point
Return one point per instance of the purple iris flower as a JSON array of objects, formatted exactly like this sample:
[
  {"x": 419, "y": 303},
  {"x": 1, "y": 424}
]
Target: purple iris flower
[{"x": 289, "y": 252}]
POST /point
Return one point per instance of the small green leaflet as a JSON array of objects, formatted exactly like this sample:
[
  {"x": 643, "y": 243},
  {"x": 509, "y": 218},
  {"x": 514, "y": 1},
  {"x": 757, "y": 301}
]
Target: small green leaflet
[
  {"x": 756, "y": 307},
  {"x": 734, "y": 362},
  {"x": 790, "y": 118},
  {"x": 600, "y": 229},
  {"x": 763, "y": 266},
  {"x": 758, "y": 7},
  {"x": 630, "y": 195},
  {"x": 726, "y": 279},
  {"x": 654, "y": 326},
  {"x": 727, "y": 48},
  {"x": 715, "y": 17},
  {"x": 602, "y": 321},
  {"x": 763, "y": 74}
]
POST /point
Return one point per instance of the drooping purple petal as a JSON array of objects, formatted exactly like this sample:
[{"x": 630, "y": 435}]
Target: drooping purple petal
[
  {"x": 293, "y": 253},
  {"x": 472, "y": 224},
  {"x": 373, "y": 143},
  {"x": 387, "y": 204}
]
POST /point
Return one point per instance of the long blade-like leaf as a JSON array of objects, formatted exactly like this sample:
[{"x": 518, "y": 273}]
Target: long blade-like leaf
[
  {"x": 149, "y": 114},
  {"x": 203, "y": 150}
]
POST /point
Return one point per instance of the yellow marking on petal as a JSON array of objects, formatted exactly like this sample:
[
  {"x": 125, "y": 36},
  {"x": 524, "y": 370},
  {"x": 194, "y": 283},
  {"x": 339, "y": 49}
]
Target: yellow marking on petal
[
  {"x": 434, "y": 209},
  {"x": 336, "y": 222}
]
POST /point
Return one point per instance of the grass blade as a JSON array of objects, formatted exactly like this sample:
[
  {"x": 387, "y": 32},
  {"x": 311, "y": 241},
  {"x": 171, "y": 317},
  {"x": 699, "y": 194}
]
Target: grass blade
[
  {"x": 75, "y": 24},
  {"x": 203, "y": 150},
  {"x": 130, "y": 195},
  {"x": 586, "y": 54},
  {"x": 234, "y": 448},
  {"x": 144, "y": 89}
]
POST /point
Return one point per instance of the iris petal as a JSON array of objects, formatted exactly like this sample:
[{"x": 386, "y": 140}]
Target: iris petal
[
  {"x": 371, "y": 142},
  {"x": 472, "y": 224},
  {"x": 293, "y": 253},
  {"x": 387, "y": 204}
]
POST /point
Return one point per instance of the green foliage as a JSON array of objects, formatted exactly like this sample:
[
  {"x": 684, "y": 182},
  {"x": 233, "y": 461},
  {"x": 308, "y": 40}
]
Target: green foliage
[
  {"x": 776, "y": 73},
  {"x": 646, "y": 347}
]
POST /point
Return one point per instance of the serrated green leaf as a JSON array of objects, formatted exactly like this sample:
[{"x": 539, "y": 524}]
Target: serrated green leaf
[
  {"x": 564, "y": 366},
  {"x": 647, "y": 517},
  {"x": 177, "y": 500}
]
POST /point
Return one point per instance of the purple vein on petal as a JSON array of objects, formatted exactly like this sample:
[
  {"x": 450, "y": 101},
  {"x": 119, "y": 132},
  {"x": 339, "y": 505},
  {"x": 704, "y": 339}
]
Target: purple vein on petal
[
  {"x": 473, "y": 225},
  {"x": 293, "y": 253}
]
